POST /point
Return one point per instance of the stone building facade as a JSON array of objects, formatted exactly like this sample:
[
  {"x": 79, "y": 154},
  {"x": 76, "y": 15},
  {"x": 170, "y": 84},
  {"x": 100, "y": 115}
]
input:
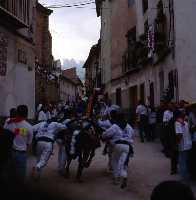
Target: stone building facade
[
  {"x": 93, "y": 73},
  {"x": 152, "y": 53},
  {"x": 17, "y": 55},
  {"x": 47, "y": 83},
  {"x": 71, "y": 87},
  {"x": 104, "y": 11}
]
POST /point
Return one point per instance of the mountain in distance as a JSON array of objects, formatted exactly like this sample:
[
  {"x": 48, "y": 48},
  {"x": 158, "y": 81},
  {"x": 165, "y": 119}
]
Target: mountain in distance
[{"x": 70, "y": 63}]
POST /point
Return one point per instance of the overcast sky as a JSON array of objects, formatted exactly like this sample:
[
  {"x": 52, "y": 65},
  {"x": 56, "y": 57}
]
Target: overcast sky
[{"x": 73, "y": 30}]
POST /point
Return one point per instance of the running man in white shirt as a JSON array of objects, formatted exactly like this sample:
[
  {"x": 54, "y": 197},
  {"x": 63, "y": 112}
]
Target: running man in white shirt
[
  {"x": 105, "y": 123},
  {"x": 120, "y": 136},
  {"x": 45, "y": 137}
]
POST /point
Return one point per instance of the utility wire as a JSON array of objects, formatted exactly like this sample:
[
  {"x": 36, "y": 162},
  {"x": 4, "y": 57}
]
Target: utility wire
[{"x": 79, "y": 4}]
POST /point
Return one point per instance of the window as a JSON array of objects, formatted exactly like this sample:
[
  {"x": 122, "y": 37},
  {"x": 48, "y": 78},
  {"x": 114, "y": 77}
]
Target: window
[
  {"x": 171, "y": 80},
  {"x": 131, "y": 39},
  {"x": 146, "y": 28},
  {"x": 133, "y": 97},
  {"x": 3, "y": 54},
  {"x": 161, "y": 83},
  {"x": 22, "y": 56},
  {"x": 142, "y": 92},
  {"x": 118, "y": 96},
  {"x": 131, "y": 3},
  {"x": 152, "y": 94},
  {"x": 161, "y": 43},
  {"x": 145, "y": 5},
  {"x": 3, "y": 3}
]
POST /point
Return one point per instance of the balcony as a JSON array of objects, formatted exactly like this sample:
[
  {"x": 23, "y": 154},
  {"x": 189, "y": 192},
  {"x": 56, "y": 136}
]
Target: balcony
[
  {"x": 162, "y": 48},
  {"x": 14, "y": 13},
  {"x": 136, "y": 55}
]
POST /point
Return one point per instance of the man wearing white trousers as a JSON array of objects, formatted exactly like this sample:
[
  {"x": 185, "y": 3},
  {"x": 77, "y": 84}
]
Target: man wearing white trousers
[
  {"x": 45, "y": 137},
  {"x": 120, "y": 136},
  {"x": 104, "y": 124},
  {"x": 62, "y": 155}
]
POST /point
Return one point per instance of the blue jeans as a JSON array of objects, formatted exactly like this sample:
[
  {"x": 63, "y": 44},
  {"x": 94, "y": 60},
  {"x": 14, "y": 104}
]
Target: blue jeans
[
  {"x": 20, "y": 164},
  {"x": 183, "y": 164}
]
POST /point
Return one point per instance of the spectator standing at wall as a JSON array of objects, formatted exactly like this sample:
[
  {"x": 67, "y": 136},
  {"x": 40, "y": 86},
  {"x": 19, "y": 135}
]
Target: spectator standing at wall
[
  {"x": 42, "y": 115},
  {"x": 160, "y": 131},
  {"x": 167, "y": 116},
  {"x": 192, "y": 126},
  {"x": 152, "y": 120},
  {"x": 13, "y": 113},
  {"x": 23, "y": 137},
  {"x": 184, "y": 142},
  {"x": 6, "y": 165},
  {"x": 54, "y": 111},
  {"x": 142, "y": 114},
  {"x": 172, "y": 143}
]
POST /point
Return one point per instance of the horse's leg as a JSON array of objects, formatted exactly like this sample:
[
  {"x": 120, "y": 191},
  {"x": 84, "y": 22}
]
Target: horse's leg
[
  {"x": 67, "y": 173},
  {"x": 80, "y": 168},
  {"x": 92, "y": 154}
]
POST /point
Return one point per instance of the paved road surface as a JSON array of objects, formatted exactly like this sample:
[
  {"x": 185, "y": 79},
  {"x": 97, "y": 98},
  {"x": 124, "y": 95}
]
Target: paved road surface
[{"x": 148, "y": 168}]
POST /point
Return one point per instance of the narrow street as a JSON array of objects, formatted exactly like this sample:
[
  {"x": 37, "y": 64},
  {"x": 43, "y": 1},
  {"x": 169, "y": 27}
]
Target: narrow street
[{"x": 148, "y": 168}]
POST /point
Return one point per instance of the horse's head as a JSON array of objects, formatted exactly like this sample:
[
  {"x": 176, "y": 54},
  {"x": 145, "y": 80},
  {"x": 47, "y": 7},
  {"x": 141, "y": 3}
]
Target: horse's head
[{"x": 91, "y": 135}]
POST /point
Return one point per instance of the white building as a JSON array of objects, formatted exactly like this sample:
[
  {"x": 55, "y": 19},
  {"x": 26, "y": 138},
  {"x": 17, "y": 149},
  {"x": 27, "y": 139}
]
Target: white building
[
  {"x": 174, "y": 70},
  {"x": 17, "y": 58},
  {"x": 159, "y": 60},
  {"x": 71, "y": 86},
  {"x": 104, "y": 10}
]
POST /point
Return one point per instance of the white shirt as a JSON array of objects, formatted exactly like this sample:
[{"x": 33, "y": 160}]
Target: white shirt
[
  {"x": 141, "y": 110},
  {"x": 66, "y": 121},
  {"x": 192, "y": 122},
  {"x": 167, "y": 115},
  {"x": 111, "y": 108},
  {"x": 23, "y": 134},
  {"x": 54, "y": 113},
  {"x": 183, "y": 129},
  {"x": 42, "y": 116},
  {"x": 103, "y": 108},
  {"x": 48, "y": 115},
  {"x": 44, "y": 129},
  {"x": 115, "y": 133},
  {"x": 39, "y": 107},
  {"x": 104, "y": 124}
]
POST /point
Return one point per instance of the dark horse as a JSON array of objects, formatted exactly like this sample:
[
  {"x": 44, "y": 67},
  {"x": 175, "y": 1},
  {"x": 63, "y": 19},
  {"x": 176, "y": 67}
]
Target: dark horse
[{"x": 81, "y": 144}]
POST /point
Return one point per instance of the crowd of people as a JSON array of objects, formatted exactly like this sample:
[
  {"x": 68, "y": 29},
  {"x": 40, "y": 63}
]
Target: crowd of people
[
  {"x": 48, "y": 111},
  {"x": 47, "y": 129},
  {"x": 174, "y": 124},
  {"x": 19, "y": 135}
]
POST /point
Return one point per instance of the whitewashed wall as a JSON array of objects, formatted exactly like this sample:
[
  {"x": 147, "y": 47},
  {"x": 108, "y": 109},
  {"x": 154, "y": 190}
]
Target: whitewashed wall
[{"x": 18, "y": 86}]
